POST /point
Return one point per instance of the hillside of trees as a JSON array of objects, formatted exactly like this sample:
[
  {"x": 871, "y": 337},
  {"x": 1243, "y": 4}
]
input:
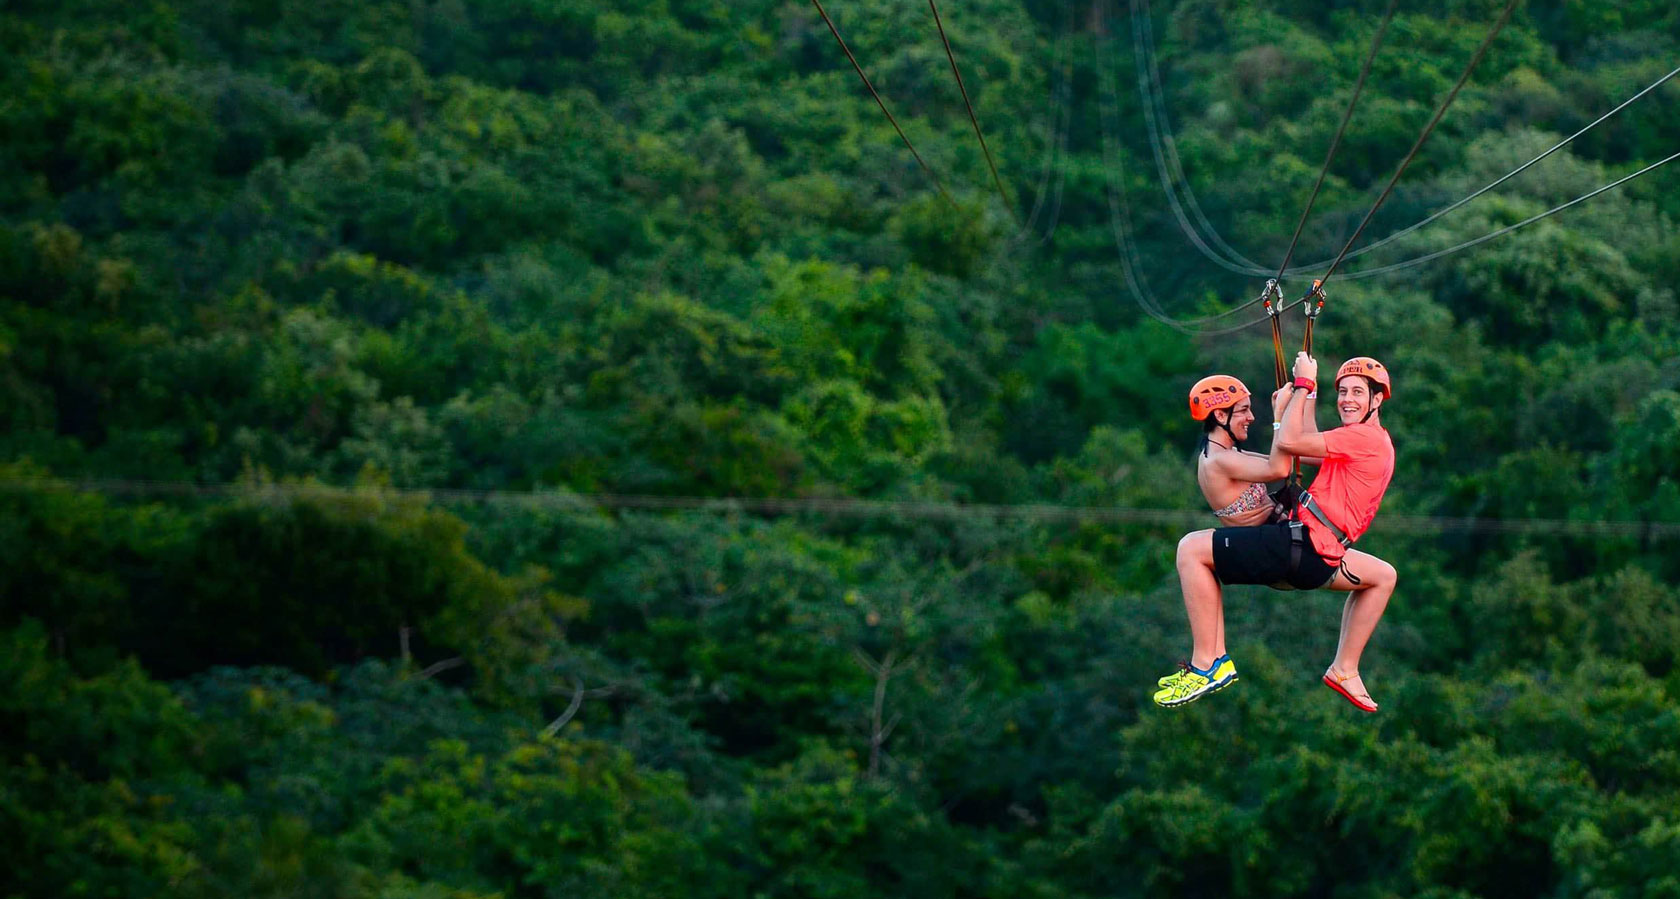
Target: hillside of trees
[{"x": 298, "y": 301}]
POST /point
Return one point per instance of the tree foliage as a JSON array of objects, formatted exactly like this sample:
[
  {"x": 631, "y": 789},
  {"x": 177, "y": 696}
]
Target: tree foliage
[{"x": 419, "y": 250}]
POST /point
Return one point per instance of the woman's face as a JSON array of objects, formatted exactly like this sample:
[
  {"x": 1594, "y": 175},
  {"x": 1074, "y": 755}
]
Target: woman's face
[{"x": 1242, "y": 416}]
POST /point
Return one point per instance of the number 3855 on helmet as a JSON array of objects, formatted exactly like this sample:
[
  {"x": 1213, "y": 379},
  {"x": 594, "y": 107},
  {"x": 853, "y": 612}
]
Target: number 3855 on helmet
[{"x": 1215, "y": 392}]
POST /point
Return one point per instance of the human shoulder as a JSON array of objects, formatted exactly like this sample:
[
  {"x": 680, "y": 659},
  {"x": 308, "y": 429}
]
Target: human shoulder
[{"x": 1358, "y": 438}]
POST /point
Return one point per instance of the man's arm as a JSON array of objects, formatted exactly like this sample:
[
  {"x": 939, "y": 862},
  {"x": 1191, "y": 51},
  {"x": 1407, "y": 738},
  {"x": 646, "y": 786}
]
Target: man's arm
[{"x": 1300, "y": 435}]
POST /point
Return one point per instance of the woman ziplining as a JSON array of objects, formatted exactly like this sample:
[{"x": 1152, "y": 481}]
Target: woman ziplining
[
  {"x": 1233, "y": 480},
  {"x": 1308, "y": 552}
]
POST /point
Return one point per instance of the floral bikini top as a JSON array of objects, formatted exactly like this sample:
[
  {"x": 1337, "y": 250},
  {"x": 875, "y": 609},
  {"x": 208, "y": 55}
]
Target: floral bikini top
[{"x": 1254, "y": 496}]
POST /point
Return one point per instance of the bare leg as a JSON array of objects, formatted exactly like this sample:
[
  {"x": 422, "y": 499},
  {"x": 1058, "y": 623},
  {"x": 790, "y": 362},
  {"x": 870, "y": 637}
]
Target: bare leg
[
  {"x": 1347, "y": 613},
  {"x": 1203, "y": 601},
  {"x": 1219, "y": 636},
  {"x": 1364, "y": 608}
]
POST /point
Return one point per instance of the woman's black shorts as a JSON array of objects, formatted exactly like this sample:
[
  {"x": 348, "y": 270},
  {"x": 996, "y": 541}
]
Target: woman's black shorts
[{"x": 1261, "y": 555}]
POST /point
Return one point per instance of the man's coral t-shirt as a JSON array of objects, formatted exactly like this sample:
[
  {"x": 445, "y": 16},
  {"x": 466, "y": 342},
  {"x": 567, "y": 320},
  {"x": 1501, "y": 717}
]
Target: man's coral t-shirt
[{"x": 1358, "y": 464}]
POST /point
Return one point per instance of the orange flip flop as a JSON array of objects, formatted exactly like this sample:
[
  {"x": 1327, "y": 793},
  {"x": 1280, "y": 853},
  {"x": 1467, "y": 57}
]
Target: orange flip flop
[{"x": 1335, "y": 682}]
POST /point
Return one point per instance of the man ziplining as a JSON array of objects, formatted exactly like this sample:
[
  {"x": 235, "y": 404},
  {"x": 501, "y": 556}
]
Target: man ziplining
[{"x": 1311, "y": 552}]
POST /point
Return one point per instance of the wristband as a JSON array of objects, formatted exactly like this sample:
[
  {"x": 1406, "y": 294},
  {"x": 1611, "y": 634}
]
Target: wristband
[
  {"x": 1309, "y": 383},
  {"x": 1277, "y": 425}
]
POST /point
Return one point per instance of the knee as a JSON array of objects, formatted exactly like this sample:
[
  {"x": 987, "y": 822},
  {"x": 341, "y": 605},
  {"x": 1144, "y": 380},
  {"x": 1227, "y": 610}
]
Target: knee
[
  {"x": 1196, "y": 548},
  {"x": 1386, "y": 575}
]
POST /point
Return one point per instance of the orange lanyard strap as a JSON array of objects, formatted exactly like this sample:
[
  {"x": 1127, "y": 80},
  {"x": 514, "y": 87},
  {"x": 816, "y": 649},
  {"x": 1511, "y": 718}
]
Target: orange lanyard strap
[{"x": 1314, "y": 303}]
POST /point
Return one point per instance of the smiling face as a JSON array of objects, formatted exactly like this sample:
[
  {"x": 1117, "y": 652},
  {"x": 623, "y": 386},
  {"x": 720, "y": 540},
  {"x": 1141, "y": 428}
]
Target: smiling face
[
  {"x": 1241, "y": 416},
  {"x": 1354, "y": 399}
]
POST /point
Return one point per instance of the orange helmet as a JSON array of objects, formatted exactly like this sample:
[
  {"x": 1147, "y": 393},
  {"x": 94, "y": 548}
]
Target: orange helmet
[
  {"x": 1215, "y": 392},
  {"x": 1366, "y": 367}
]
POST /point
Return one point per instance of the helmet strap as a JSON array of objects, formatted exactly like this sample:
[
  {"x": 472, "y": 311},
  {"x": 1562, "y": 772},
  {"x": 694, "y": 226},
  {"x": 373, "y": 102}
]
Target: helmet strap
[
  {"x": 1372, "y": 394},
  {"x": 1224, "y": 426}
]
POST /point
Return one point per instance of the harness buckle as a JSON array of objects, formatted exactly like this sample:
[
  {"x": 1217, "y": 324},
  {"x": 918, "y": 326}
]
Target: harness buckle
[
  {"x": 1297, "y": 540},
  {"x": 1311, "y": 505}
]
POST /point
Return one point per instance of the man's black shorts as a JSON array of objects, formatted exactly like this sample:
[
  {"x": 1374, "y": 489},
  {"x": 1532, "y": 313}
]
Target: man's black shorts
[{"x": 1260, "y": 555}]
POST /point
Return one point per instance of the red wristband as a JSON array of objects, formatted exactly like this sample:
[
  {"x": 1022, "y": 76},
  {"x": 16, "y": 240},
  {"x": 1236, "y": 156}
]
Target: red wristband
[{"x": 1308, "y": 383}]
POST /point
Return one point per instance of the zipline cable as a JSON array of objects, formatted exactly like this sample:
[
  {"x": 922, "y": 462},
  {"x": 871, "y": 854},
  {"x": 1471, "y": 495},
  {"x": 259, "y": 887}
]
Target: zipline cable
[
  {"x": 1119, "y": 207},
  {"x": 1061, "y": 152},
  {"x": 1335, "y": 142},
  {"x": 1225, "y": 257},
  {"x": 1501, "y": 180},
  {"x": 882, "y": 103},
  {"x": 1147, "y": 28},
  {"x": 1115, "y": 196},
  {"x": 1119, "y": 218},
  {"x": 1194, "y": 325},
  {"x": 1055, "y": 151},
  {"x": 834, "y": 507},
  {"x": 1052, "y": 150},
  {"x": 1430, "y": 257},
  {"x": 1428, "y": 129},
  {"x": 1163, "y": 144},
  {"x": 974, "y": 119}
]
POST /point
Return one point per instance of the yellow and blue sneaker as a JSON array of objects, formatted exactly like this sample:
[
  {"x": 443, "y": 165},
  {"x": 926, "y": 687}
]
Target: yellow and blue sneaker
[
  {"x": 1191, "y": 683},
  {"x": 1224, "y": 673}
]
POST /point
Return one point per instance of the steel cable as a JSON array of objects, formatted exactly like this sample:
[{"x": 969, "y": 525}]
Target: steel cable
[
  {"x": 1428, "y": 129},
  {"x": 882, "y": 103},
  {"x": 828, "y": 506}
]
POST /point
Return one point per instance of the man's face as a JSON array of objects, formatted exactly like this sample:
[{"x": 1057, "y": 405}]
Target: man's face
[{"x": 1354, "y": 399}]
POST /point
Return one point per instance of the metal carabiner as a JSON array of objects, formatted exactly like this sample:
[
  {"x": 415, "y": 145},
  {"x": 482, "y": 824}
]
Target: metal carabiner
[
  {"x": 1266, "y": 297},
  {"x": 1313, "y": 309}
]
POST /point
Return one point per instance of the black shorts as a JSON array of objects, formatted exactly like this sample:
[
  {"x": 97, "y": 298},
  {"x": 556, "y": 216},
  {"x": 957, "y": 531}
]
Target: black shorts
[{"x": 1260, "y": 555}]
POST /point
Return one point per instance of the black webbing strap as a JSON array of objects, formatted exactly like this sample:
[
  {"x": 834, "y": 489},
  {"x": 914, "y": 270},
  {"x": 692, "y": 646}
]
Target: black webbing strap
[
  {"x": 1297, "y": 539},
  {"x": 1311, "y": 505}
]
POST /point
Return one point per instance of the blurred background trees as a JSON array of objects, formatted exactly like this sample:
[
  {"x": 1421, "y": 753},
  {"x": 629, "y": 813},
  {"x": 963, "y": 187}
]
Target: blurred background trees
[{"x": 673, "y": 249}]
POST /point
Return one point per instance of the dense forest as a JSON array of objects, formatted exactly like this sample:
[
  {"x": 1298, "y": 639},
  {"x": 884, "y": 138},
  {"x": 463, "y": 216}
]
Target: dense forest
[{"x": 329, "y": 331}]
